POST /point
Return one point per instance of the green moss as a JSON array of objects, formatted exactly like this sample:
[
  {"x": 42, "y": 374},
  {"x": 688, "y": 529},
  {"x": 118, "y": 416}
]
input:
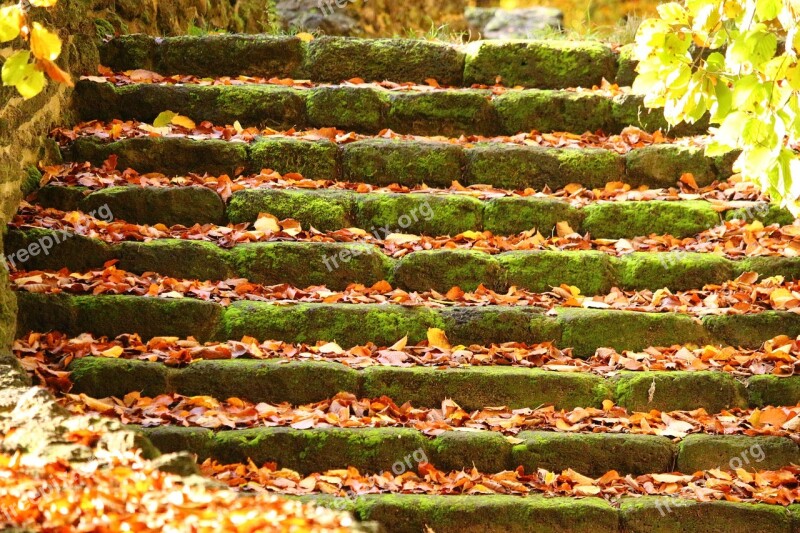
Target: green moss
[
  {"x": 448, "y": 113},
  {"x": 674, "y": 270},
  {"x": 488, "y": 514},
  {"x": 730, "y": 452},
  {"x": 347, "y": 324},
  {"x": 679, "y": 391},
  {"x": 766, "y": 213},
  {"x": 350, "y": 108},
  {"x": 61, "y": 198},
  {"x": 302, "y": 264},
  {"x": 539, "y": 64},
  {"x": 672, "y": 515},
  {"x": 546, "y": 111},
  {"x": 767, "y": 390},
  {"x": 626, "y": 71},
  {"x": 441, "y": 270},
  {"x": 518, "y": 167},
  {"x": 153, "y": 205},
  {"x": 476, "y": 388},
  {"x": 629, "y": 110},
  {"x": 325, "y": 210},
  {"x": 625, "y": 220},
  {"x": 661, "y": 165},
  {"x": 266, "y": 381},
  {"x": 231, "y": 55},
  {"x": 593, "y": 454},
  {"x": 30, "y": 182},
  {"x": 768, "y": 266},
  {"x": 101, "y": 377},
  {"x": 178, "y": 258},
  {"x": 316, "y": 160},
  {"x": 173, "y": 439},
  {"x": 496, "y": 324},
  {"x": 169, "y": 155},
  {"x": 750, "y": 331},
  {"x": 45, "y": 249},
  {"x": 254, "y": 105},
  {"x": 512, "y": 215},
  {"x": 318, "y": 450},
  {"x": 424, "y": 214},
  {"x": 488, "y": 451},
  {"x": 539, "y": 271},
  {"x": 335, "y": 59},
  {"x": 585, "y": 330},
  {"x": 385, "y": 161},
  {"x": 128, "y": 52}
]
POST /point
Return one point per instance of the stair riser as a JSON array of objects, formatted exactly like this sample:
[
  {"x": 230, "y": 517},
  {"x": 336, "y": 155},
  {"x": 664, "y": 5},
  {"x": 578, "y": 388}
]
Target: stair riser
[
  {"x": 541, "y": 64},
  {"x": 338, "y": 265},
  {"x": 383, "y": 162},
  {"x": 450, "y": 113},
  {"x": 472, "y": 388},
  {"x": 394, "y": 449},
  {"x": 417, "y": 213},
  {"x": 584, "y": 330}
]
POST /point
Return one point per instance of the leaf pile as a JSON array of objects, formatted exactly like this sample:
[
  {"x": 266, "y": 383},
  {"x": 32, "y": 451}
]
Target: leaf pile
[
  {"x": 48, "y": 355},
  {"x": 629, "y": 139},
  {"x": 779, "y": 487},
  {"x": 127, "y": 493},
  {"x": 743, "y": 295},
  {"x": 346, "y": 411},
  {"x": 97, "y": 178},
  {"x": 733, "y": 239}
]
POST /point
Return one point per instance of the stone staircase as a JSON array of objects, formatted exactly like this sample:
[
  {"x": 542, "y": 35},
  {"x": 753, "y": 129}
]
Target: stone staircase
[{"x": 441, "y": 135}]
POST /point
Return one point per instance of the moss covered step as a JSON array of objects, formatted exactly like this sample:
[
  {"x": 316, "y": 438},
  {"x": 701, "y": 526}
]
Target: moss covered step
[
  {"x": 448, "y": 112},
  {"x": 434, "y": 163},
  {"x": 547, "y": 64},
  {"x": 337, "y": 265},
  {"x": 584, "y": 330},
  {"x": 591, "y": 454},
  {"x": 472, "y": 388}
]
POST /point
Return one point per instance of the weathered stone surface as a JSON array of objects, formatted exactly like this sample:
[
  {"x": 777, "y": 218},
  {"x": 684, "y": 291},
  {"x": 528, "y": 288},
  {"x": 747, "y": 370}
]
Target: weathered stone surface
[
  {"x": 662, "y": 165},
  {"x": 731, "y": 452},
  {"x": 534, "y": 109},
  {"x": 511, "y": 215},
  {"x": 614, "y": 220},
  {"x": 449, "y": 113},
  {"x": 325, "y": 210},
  {"x": 316, "y": 160},
  {"x": 675, "y": 270},
  {"x": 418, "y": 214},
  {"x": 592, "y": 272},
  {"x": 680, "y": 391},
  {"x": 350, "y": 108}
]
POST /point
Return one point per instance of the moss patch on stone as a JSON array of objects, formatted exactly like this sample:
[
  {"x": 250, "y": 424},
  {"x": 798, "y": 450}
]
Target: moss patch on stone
[
  {"x": 172, "y": 439},
  {"x": 169, "y": 155},
  {"x": 351, "y": 108},
  {"x": 385, "y": 161},
  {"x": 303, "y": 264},
  {"x": 594, "y": 454},
  {"x": 750, "y": 331},
  {"x": 441, "y": 270},
  {"x": 129, "y": 52},
  {"x": 674, "y": 270},
  {"x": 766, "y": 213},
  {"x": 768, "y": 266},
  {"x": 731, "y": 452},
  {"x": 512, "y": 215},
  {"x": 488, "y": 451},
  {"x": 679, "y": 391},
  {"x": 626, "y": 66},
  {"x": 325, "y": 210},
  {"x": 661, "y": 165},
  {"x": 619, "y": 220},
  {"x": 546, "y": 111},
  {"x": 316, "y": 160},
  {"x": 296, "y": 382},
  {"x": 539, "y": 271},
  {"x": 496, "y": 324},
  {"x": 585, "y": 330},
  {"x": 540, "y": 64},
  {"x": 61, "y": 198},
  {"x": 101, "y": 377},
  {"x": 178, "y": 258},
  {"x": 772, "y": 390},
  {"x": 44, "y": 249},
  {"x": 418, "y": 213},
  {"x": 519, "y": 167},
  {"x": 476, "y": 388},
  {"x": 652, "y": 514},
  {"x": 449, "y": 113},
  {"x": 334, "y": 59}
]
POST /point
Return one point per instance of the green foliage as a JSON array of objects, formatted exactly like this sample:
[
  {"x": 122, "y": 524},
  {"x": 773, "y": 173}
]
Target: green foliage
[{"x": 737, "y": 61}]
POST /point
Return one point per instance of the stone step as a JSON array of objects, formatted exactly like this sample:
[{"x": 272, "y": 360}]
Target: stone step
[
  {"x": 378, "y": 449},
  {"x": 410, "y": 513},
  {"x": 338, "y": 264},
  {"x": 448, "y": 112},
  {"x": 541, "y": 64},
  {"x": 410, "y": 162},
  {"x": 584, "y": 330},
  {"x": 419, "y": 213},
  {"x": 277, "y": 381}
]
